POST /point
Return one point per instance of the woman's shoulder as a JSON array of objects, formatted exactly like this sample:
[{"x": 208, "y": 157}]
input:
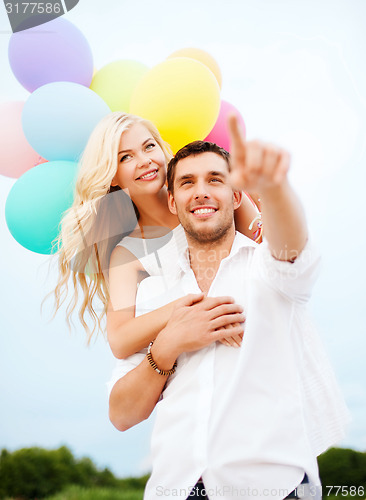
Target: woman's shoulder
[
  {"x": 121, "y": 255},
  {"x": 132, "y": 243}
]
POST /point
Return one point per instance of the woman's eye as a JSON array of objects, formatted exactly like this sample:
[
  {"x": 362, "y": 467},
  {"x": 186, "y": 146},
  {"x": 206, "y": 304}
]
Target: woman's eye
[
  {"x": 186, "y": 182},
  {"x": 150, "y": 146},
  {"x": 123, "y": 158}
]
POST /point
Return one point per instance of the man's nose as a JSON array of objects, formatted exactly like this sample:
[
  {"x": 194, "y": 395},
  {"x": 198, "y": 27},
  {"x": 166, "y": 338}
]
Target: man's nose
[
  {"x": 201, "y": 191},
  {"x": 203, "y": 196}
]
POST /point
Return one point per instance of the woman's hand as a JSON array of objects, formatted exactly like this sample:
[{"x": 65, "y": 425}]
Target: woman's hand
[
  {"x": 195, "y": 324},
  {"x": 231, "y": 340},
  {"x": 234, "y": 340}
]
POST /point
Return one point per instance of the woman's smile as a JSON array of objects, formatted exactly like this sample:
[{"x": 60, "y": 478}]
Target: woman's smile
[{"x": 149, "y": 175}]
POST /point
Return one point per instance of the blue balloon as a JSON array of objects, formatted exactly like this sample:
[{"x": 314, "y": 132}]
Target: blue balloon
[
  {"x": 59, "y": 117},
  {"x": 36, "y": 202}
]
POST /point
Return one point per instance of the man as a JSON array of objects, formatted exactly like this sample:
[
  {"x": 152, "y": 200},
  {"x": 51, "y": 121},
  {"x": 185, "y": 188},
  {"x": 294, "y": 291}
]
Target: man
[{"x": 248, "y": 421}]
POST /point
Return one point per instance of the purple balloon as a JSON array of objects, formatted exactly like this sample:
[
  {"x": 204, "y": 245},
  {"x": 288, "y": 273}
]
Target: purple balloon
[{"x": 52, "y": 52}]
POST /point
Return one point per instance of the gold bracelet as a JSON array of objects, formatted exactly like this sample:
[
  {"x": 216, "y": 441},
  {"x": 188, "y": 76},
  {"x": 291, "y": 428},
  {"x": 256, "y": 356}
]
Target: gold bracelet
[{"x": 155, "y": 366}]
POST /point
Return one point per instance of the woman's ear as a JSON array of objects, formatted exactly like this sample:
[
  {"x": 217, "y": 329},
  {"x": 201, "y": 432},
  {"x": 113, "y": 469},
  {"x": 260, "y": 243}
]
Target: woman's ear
[{"x": 171, "y": 203}]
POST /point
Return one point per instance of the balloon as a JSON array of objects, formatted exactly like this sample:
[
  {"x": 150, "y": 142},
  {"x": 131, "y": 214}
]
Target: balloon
[
  {"x": 16, "y": 154},
  {"x": 55, "y": 51},
  {"x": 181, "y": 97},
  {"x": 220, "y": 133},
  {"x": 36, "y": 202},
  {"x": 58, "y": 119},
  {"x": 116, "y": 81},
  {"x": 202, "y": 56}
]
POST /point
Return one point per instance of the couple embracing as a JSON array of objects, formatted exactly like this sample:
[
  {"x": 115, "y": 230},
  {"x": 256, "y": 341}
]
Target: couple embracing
[{"x": 210, "y": 327}]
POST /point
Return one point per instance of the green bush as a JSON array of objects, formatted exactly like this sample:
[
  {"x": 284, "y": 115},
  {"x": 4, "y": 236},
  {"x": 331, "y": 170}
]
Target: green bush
[
  {"x": 80, "y": 493},
  {"x": 31, "y": 473},
  {"x": 342, "y": 467},
  {"x": 133, "y": 483},
  {"x": 36, "y": 473}
]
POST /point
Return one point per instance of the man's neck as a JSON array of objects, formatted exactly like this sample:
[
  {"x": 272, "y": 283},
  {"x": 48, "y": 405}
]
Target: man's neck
[{"x": 205, "y": 258}]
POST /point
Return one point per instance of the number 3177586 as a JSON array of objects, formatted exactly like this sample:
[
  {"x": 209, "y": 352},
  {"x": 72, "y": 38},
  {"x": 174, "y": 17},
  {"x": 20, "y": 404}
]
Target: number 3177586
[{"x": 34, "y": 8}]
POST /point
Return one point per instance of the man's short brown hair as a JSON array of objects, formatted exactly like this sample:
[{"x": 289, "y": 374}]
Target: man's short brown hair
[{"x": 193, "y": 149}]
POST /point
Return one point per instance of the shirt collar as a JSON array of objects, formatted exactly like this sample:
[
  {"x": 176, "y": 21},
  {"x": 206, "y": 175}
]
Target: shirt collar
[{"x": 240, "y": 241}]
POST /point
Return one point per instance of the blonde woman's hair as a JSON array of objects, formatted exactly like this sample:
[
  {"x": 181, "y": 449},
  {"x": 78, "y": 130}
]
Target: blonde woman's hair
[{"x": 99, "y": 218}]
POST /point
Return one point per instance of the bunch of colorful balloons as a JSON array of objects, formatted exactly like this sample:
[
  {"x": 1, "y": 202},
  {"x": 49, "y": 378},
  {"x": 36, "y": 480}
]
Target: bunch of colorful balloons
[{"x": 41, "y": 140}]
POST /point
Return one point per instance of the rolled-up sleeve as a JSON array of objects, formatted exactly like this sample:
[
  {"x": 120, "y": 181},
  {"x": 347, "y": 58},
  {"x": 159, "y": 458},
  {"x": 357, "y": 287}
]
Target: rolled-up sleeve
[
  {"x": 295, "y": 280},
  {"x": 122, "y": 367}
]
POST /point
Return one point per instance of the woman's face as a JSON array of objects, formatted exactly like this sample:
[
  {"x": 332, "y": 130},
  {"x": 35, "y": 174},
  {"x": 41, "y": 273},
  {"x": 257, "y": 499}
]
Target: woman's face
[{"x": 141, "y": 162}]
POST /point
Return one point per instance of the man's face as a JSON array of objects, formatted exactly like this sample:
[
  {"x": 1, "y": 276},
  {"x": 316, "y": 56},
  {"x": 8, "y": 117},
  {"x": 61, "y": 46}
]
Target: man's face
[{"x": 203, "y": 199}]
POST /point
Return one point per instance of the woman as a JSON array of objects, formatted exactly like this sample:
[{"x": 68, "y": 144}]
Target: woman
[{"x": 124, "y": 154}]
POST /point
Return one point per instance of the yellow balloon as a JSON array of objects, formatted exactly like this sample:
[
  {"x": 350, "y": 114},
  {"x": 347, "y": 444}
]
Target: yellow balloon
[
  {"x": 202, "y": 56},
  {"x": 181, "y": 97},
  {"x": 116, "y": 82}
]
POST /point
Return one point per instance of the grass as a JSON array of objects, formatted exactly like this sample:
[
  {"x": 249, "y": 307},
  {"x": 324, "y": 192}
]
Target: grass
[
  {"x": 340, "y": 497},
  {"x": 80, "y": 493}
]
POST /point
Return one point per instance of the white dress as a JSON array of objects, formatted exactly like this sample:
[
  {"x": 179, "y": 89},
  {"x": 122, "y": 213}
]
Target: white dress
[{"x": 158, "y": 256}]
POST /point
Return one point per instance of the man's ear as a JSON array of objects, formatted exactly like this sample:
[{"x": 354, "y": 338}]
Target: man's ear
[
  {"x": 237, "y": 198},
  {"x": 171, "y": 203}
]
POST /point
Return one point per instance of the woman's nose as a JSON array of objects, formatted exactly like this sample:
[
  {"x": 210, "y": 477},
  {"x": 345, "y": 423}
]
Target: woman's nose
[{"x": 144, "y": 160}]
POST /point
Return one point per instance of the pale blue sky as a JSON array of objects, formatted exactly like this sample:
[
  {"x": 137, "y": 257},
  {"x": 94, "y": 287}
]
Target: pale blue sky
[{"x": 295, "y": 70}]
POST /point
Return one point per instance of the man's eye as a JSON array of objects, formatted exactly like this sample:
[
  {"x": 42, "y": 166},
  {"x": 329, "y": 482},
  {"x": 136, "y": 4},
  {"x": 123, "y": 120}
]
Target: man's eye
[
  {"x": 186, "y": 182},
  {"x": 215, "y": 180}
]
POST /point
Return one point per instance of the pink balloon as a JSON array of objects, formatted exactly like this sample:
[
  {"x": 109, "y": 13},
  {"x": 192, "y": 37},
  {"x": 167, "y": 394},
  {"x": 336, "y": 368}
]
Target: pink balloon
[
  {"x": 220, "y": 133},
  {"x": 16, "y": 154}
]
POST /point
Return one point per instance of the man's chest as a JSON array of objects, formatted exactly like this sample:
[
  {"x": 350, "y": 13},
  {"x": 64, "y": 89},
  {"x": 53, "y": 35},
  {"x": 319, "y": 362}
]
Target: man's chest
[{"x": 229, "y": 280}]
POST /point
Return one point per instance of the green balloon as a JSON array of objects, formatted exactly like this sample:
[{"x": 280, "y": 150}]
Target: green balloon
[
  {"x": 116, "y": 81},
  {"x": 36, "y": 202}
]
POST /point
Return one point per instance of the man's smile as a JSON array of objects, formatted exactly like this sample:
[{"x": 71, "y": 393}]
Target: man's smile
[{"x": 203, "y": 211}]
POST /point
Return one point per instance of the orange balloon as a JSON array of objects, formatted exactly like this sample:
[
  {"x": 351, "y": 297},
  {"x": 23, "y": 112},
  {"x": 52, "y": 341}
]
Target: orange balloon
[{"x": 202, "y": 56}]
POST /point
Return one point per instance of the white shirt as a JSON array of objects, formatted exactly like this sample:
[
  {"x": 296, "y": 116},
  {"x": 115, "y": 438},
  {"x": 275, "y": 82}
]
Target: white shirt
[{"x": 250, "y": 421}]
